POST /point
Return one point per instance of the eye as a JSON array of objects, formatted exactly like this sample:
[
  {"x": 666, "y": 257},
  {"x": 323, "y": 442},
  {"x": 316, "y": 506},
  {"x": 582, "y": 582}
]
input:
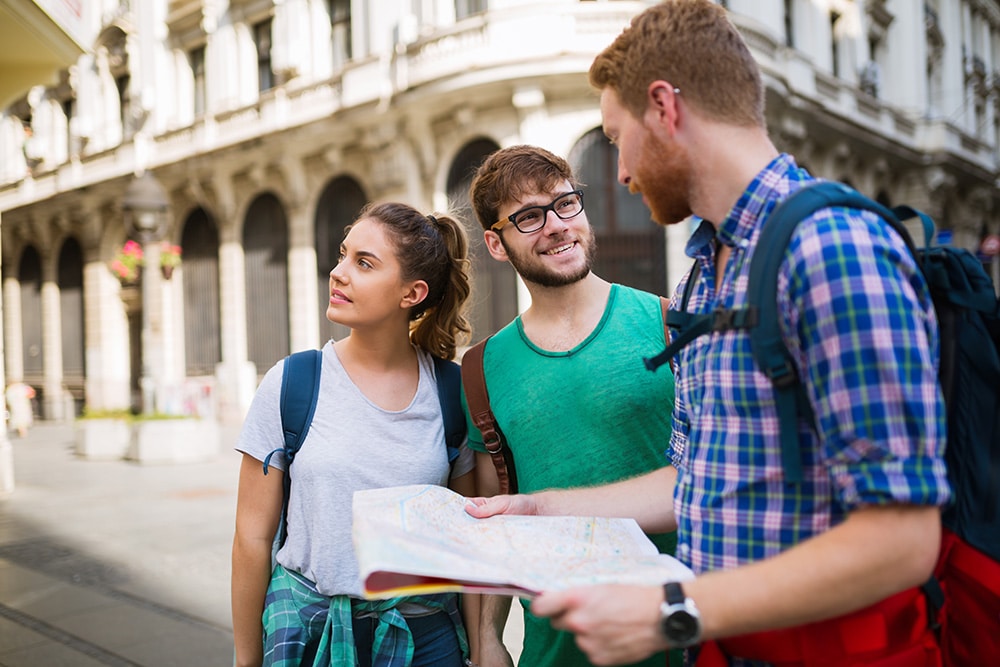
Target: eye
[
  {"x": 528, "y": 216},
  {"x": 567, "y": 202},
  {"x": 364, "y": 263}
]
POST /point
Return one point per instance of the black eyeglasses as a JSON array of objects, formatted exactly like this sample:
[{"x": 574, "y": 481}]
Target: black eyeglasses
[{"x": 532, "y": 218}]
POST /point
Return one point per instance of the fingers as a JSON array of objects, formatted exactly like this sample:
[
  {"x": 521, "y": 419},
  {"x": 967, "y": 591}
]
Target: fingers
[{"x": 482, "y": 508}]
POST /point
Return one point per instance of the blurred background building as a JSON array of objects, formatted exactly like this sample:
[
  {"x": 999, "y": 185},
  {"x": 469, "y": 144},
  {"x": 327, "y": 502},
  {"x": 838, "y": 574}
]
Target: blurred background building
[
  {"x": 244, "y": 135},
  {"x": 38, "y": 38}
]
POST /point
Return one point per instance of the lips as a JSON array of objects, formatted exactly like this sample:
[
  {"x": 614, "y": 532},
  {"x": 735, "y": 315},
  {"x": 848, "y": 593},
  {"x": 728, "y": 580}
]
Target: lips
[{"x": 336, "y": 296}]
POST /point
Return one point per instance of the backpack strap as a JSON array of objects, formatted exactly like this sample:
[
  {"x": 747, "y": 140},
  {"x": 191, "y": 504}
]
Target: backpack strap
[
  {"x": 299, "y": 392},
  {"x": 449, "y": 386},
  {"x": 766, "y": 342},
  {"x": 683, "y": 326},
  {"x": 478, "y": 400}
]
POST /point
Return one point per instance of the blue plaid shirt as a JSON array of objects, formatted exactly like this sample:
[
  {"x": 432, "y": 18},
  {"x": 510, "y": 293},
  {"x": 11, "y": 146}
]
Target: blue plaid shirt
[{"x": 857, "y": 316}]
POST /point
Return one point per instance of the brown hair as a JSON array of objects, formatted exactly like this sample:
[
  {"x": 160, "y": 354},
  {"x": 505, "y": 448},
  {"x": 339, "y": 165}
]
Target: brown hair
[
  {"x": 509, "y": 173},
  {"x": 434, "y": 249},
  {"x": 692, "y": 45}
]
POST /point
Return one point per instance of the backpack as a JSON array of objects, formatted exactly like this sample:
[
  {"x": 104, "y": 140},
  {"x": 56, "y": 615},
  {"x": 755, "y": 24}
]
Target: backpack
[
  {"x": 478, "y": 400},
  {"x": 300, "y": 391},
  {"x": 964, "y": 593}
]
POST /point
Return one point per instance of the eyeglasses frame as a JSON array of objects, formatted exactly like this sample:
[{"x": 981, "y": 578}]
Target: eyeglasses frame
[{"x": 500, "y": 224}]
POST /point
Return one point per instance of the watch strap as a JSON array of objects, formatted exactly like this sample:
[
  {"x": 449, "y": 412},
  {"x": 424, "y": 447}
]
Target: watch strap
[{"x": 673, "y": 593}]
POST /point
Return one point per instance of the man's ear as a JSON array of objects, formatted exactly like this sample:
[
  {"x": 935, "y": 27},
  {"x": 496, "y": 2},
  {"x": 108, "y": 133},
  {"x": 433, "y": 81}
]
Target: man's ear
[
  {"x": 493, "y": 244},
  {"x": 662, "y": 98},
  {"x": 414, "y": 295}
]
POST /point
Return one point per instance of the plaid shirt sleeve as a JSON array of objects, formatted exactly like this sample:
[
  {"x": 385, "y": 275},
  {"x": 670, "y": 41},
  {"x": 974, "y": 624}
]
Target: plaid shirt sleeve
[{"x": 860, "y": 321}]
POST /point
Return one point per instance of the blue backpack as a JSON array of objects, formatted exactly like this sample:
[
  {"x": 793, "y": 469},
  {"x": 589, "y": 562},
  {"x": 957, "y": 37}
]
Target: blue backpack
[
  {"x": 300, "y": 390},
  {"x": 965, "y": 592}
]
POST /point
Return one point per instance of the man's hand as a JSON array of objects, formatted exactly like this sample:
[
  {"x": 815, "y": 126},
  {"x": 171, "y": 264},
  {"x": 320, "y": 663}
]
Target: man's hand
[
  {"x": 613, "y": 624},
  {"x": 482, "y": 508}
]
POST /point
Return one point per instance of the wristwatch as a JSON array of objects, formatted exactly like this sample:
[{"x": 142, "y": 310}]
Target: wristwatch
[{"x": 680, "y": 622}]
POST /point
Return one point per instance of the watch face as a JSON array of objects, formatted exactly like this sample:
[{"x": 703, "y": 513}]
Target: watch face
[{"x": 680, "y": 626}]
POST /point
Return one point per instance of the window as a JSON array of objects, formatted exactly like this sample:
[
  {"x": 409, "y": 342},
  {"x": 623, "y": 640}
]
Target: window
[
  {"x": 834, "y": 43},
  {"x": 69, "y": 110},
  {"x": 122, "y": 83},
  {"x": 465, "y": 8},
  {"x": 197, "y": 59},
  {"x": 262, "y": 39},
  {"x": 789, "y": 23},
  {"x": 340, "y": 32}
]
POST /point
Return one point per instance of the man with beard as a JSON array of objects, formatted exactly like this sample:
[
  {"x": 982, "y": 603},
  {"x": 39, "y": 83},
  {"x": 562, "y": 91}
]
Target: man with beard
[
  {"x": 565, "y": 378},
  {"x": 823, "y": 571}
]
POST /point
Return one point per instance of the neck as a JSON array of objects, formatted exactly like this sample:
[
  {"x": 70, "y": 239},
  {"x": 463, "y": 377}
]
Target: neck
[
  {"x": 728, "y": 158},
  {"x": 376, "y": 350},
  {"x": 576, "y": 307}
]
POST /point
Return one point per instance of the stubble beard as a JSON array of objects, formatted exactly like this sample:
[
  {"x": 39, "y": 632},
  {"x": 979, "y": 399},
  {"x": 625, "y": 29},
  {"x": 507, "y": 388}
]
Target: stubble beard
[{"x": 535, "y": 272}]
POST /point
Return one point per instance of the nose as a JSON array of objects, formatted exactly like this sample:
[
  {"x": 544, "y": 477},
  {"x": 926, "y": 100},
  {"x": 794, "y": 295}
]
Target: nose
[
  {"x": 335, "y": 273},
  {"x": 553, "y": 223},
  {"x": 623, "y": 176}
]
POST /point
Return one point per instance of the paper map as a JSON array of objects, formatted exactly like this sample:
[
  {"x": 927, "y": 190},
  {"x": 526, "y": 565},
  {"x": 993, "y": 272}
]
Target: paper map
[{"x": 419, "y": 539}]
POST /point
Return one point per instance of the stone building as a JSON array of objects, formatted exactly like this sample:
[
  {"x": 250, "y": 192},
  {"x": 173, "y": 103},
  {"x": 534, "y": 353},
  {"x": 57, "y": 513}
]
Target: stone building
[{"x": 268, "y": 124}]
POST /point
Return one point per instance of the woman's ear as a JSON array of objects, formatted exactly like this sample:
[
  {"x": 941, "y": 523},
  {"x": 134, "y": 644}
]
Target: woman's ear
[
  {"x": 416, "y": 293},
  {"x": 494, "y": 245}
]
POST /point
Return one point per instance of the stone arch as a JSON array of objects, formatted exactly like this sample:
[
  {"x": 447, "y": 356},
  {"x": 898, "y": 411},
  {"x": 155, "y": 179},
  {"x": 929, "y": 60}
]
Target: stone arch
[
  {"x": 265, "y": 248},
  {"x": 338, "y": 206},
  {"x": 631, "y": 248},
  {"x": 69, "y": 279},
  {"x": 202, "y": 312},
  {"x": 493, "y": 302}
]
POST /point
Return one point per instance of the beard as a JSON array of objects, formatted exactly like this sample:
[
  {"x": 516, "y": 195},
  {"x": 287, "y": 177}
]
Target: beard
[
  {"x": 663, "y": 175},
  {"x": 533, "y": 271}
]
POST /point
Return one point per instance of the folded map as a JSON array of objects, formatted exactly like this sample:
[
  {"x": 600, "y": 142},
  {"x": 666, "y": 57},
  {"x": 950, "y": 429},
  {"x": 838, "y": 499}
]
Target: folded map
[{"x": 419, "y": 539}]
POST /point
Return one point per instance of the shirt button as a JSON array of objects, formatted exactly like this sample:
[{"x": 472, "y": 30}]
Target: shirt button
[
  {"x": 683, "y": 550},
  {"x": 696, "y": 409}
]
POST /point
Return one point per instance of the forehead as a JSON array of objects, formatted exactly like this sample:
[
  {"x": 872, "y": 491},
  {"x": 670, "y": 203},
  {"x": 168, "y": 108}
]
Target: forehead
[
  {"x": 366, "y": 234},
  {"x": 532, "y": 197},
  {"x": 613, "y": 113}
]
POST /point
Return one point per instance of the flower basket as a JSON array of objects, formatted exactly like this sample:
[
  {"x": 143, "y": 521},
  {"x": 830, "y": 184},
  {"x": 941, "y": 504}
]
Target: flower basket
[
  {"x": 170, "y": 258},
  {"x": 127, "y": 263}
]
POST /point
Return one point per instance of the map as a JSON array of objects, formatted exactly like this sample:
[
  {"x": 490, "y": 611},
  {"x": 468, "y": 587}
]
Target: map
[{"x": 419, "y": 539}]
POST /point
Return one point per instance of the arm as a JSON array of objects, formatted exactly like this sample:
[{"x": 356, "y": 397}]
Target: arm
[
  {"x": 876, "y": 552},
  {"x": 466, "y": 485},
  {"x": 258, "y": 510},
  {"x": 494, "y": 609},
  {"x": 648, "y": 498}
]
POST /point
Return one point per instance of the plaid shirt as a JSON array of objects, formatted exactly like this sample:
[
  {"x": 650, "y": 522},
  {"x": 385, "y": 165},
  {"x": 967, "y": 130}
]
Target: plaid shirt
[
  {"x": 304, "y": 627},
  {"x": 858, "y": 319}
]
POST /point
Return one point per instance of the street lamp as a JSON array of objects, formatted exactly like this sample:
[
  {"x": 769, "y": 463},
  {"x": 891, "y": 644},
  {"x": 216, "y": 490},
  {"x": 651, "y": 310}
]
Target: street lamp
[{"x": 145, "y": 207}]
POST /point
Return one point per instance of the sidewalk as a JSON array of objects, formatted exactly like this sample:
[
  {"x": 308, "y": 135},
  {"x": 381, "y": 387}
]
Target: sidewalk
[{"x": 116, "y": 563}]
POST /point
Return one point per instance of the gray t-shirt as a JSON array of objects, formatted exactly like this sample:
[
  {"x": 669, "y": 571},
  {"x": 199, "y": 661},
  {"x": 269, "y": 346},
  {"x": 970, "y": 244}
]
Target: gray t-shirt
[{"x": 352, "y": 444}]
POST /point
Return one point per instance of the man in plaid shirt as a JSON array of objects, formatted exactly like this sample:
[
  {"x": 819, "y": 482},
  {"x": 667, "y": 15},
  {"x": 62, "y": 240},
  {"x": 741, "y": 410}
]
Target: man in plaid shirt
[{"x": 826, "y": 571}]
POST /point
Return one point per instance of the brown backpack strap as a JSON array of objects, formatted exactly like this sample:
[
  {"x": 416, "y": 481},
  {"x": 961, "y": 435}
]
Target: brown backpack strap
[
  {"x": 664, "y": 307},
  {"x": 478, "y": 400}
]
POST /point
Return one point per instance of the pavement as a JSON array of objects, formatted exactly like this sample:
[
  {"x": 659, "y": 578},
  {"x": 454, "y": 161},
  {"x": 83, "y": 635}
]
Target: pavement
[{"x": 117, "y": 563}]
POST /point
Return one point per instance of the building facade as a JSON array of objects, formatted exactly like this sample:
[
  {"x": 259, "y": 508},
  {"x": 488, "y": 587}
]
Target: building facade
[{"x": 270, "y": 123}]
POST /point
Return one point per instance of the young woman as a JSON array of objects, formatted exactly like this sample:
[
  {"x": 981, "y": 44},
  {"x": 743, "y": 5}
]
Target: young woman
[{"x": 400, "y": 285}]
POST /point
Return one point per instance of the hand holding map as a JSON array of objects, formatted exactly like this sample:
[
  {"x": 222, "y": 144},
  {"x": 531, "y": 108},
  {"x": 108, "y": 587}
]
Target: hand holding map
[{"x": 419, "y": 539}]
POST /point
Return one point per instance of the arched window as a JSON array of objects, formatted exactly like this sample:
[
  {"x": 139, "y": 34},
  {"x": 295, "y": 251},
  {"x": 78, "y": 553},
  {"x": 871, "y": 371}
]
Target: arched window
[
  {"x": 29, "y": 275},
  {"x": 494, "y": 284},
  {"x": 70, "y": 281},
  {"x": 265, "y": 247},
  {"x": 200, "y": 248},
  {"x": 338, "y": 207},
  {"x": 631, "y": 248}
]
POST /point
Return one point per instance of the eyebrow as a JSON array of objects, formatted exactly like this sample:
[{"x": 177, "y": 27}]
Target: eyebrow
[{"x": 361, "y": 253}]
